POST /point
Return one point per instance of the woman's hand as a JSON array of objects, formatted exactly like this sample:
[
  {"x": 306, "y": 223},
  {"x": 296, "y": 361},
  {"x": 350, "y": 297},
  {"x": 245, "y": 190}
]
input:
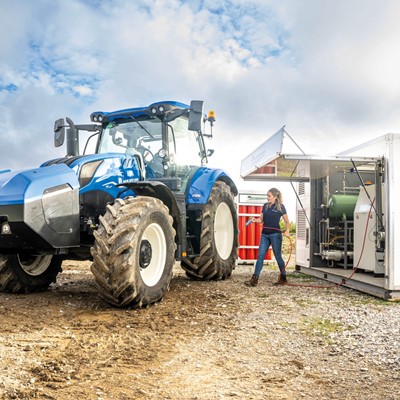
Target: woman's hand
[{"x": 258, "y": 220}]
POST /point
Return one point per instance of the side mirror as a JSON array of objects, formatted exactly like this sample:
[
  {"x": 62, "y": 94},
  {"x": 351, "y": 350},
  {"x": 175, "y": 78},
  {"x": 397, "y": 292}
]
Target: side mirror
[
  {"x": 59, "y": 132},
  {"x": 210, "y": 152},
  {"x": 195, "y": 115}
]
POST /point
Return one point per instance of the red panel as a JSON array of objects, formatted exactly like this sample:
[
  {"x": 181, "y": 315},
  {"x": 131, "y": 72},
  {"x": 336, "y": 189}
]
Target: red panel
[
  {"x": 251, "y": 239},
  {"x": 243, "y": 232},
  {"x": 250, "y": 235},
  {"x": 257, "y": 233}
]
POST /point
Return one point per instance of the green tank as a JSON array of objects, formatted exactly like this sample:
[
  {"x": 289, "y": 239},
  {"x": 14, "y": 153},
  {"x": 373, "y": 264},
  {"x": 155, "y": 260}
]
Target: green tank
[{"x": 342, "y": 205}]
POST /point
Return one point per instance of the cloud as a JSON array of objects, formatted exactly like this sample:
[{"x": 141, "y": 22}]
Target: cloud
[
  {"x": 326, "y": 69},
  {"x": 347, "y": 56}
]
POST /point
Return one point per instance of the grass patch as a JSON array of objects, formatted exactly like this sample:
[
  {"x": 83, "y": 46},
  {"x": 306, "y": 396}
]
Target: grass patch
[
  {"x": 300, "y": 275},
  {"x": 322, "y": 327}
]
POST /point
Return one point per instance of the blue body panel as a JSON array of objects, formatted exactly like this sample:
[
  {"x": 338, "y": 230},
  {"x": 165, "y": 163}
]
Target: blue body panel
[
  {"x": 115, "y": 169},
  {"x": 201, "y": 184},
  {"x": 18, "y": 186}
]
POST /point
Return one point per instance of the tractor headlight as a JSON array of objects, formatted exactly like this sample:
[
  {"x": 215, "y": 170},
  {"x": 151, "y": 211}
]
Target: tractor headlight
[
  {"x": 97, "y": 117},
  {"x": 160, "y": 109}
]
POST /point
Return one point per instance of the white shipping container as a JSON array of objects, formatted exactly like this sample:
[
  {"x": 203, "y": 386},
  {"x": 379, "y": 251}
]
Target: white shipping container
[{"x": 348, "y": 209}]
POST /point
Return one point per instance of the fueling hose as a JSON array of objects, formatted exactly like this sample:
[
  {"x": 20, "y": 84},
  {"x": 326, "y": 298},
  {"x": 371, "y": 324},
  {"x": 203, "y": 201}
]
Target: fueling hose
[{"x": 335, "y": 285}]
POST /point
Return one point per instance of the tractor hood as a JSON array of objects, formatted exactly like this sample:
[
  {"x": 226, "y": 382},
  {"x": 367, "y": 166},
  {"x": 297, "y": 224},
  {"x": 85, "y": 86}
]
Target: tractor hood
[{"x": 41, "y": 208}]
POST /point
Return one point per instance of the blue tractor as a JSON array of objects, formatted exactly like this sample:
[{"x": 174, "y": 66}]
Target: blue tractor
[{"x": 142, "y": 201}]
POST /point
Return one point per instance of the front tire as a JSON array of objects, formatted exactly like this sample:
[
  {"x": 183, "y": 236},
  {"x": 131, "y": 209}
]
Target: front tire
[
  {"x": 134, "y": 252},
  {"x": 218, "y": 239},
  {"x": 26, "y": 273}
]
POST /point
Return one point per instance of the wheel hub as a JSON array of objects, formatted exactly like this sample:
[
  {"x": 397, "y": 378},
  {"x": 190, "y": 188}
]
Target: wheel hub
[
  {"x": 145, "y": 254},
  {"x": 34, "y": 265},
  {"x": 223, "y": 230}
]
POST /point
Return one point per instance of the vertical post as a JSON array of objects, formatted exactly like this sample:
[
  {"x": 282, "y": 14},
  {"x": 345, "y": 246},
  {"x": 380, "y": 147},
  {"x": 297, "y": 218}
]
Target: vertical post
[{"x": 72, "y": 139}]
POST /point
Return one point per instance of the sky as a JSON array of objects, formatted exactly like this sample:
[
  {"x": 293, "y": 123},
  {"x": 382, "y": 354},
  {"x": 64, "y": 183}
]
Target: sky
[{"x": 326, "y": 69}]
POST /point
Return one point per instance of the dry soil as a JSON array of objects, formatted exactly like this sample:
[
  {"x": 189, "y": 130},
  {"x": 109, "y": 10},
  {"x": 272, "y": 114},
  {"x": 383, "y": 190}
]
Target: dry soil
[{"x": 205, "y": 340}]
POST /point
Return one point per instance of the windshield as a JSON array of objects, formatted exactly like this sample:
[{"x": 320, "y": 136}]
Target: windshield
[{"x": 123, "y": 138}]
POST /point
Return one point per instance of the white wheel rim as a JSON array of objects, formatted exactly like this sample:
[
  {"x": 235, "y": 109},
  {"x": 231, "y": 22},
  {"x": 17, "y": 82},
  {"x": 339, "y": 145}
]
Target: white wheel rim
[
  {"x": 223, "y": 231},
  {"x": 156, "y": 237},
  {"x": 35, "y": 265}
]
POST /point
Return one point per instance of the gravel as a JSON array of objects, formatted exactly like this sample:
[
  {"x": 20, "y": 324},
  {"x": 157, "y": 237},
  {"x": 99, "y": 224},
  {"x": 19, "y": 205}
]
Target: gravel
[{"x": 343, "y": 339}]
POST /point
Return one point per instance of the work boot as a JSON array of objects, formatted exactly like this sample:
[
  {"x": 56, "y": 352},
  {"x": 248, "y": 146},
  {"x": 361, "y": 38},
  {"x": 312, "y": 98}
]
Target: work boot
[
  {"x": 281, "y": 281},
  {"x": 253, "y": 281}
]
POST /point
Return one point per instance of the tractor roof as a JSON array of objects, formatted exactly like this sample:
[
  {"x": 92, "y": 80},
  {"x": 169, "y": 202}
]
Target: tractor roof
[{"x": 135, "y": 112}]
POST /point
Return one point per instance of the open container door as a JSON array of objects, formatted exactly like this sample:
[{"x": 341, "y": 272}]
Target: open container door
[
  {"x": 271, "y": 160},
  {"x": 339, "y": 198}
]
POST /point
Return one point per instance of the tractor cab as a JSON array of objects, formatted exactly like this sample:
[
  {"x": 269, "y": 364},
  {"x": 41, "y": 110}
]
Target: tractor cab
[{"x": 165, "y": 140}]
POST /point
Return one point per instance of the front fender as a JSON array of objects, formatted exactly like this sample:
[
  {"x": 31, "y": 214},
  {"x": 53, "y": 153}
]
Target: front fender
[
  {"x": 158, "y": 190},
  {"x": 203, "y": 180}
]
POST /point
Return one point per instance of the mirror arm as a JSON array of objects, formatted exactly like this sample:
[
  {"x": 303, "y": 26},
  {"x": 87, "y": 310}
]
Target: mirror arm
[{"x": 89, "y": 127}]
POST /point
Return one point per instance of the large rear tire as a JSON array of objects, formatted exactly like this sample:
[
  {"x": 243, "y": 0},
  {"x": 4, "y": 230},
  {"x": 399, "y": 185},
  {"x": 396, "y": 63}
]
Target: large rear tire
[
  {"x": 219, "y": 237},
  {"x": 25, "y": 273},
  {"x": 134, "y": 252}
]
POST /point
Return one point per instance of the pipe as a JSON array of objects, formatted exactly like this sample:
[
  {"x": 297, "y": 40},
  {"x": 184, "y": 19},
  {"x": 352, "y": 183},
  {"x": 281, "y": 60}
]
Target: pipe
[{"x": 335, "y": 255}]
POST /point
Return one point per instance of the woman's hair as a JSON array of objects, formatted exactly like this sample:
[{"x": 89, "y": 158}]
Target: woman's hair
[{"x": 278, "y": 200}]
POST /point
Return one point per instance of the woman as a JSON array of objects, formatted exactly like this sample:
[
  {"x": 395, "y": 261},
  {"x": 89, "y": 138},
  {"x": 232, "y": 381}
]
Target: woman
[{"x": 271, "y": 234}]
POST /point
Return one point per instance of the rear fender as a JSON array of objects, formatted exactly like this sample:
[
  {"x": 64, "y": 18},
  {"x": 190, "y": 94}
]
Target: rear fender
[{"x": 203, "y": 180}]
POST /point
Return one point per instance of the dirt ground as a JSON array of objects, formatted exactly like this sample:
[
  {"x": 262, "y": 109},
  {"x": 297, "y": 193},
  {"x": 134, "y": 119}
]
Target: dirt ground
[{"x": 205, "y": 340}]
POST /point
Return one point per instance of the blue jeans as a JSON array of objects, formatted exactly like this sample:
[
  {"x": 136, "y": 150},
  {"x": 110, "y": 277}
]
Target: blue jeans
[{"x": 275, "y": 240}]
